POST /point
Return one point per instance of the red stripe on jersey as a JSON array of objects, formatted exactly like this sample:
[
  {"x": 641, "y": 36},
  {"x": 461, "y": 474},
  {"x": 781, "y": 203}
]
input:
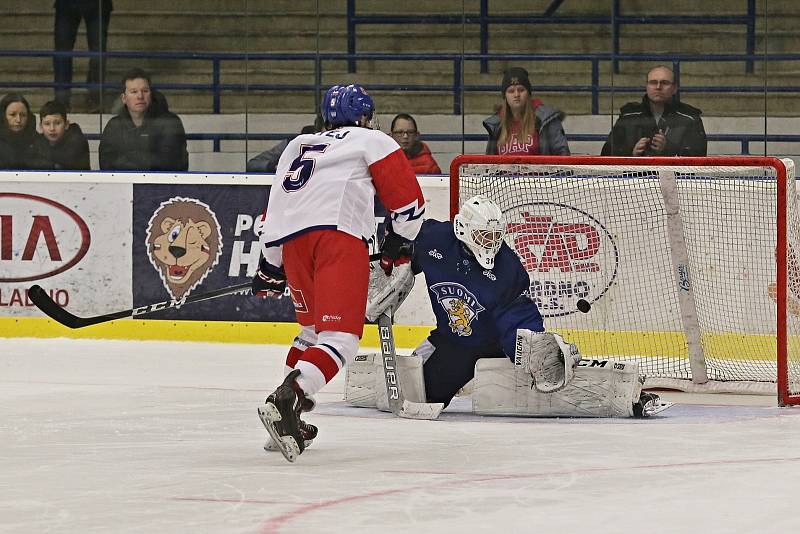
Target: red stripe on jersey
[
  {"x": 395, "y": 181},
  {"x": 322, "y": 361}
]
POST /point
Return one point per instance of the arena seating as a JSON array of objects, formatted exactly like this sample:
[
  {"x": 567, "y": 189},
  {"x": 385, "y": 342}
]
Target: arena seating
[{"x": 147, "y": 32}]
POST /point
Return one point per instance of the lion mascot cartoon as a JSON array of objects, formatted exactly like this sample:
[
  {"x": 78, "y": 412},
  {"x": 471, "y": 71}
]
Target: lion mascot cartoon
[{"x": 184, "y": 243}]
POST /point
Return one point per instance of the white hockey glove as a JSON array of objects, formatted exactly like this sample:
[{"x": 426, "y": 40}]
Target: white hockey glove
[
  {"x": 387, "y": 291},
  {"x": 547, "y": 357}
]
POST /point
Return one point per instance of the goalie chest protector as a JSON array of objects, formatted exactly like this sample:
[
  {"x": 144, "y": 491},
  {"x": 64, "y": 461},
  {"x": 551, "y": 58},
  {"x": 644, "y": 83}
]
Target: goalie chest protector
[{"x": 465, "y": 296}]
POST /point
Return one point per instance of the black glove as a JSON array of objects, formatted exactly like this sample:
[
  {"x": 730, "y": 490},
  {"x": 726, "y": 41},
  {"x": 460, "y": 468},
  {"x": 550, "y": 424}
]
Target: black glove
[
  {"x": 269, "y": 281},
  {"x": 396, "y": 250}
]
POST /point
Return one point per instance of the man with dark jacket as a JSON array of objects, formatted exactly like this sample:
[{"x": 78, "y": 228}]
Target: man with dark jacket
[
  {"x": 145, "y": 135},
  {"x": 659, "y": 125}
]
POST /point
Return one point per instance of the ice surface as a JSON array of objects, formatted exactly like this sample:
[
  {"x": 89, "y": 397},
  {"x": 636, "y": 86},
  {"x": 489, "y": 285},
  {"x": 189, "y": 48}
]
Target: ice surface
[{"x": 159, "y": 437}]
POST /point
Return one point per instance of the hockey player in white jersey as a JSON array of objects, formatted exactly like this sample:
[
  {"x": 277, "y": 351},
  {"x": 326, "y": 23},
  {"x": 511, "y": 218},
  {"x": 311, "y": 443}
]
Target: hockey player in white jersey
[{"x": 313, "y": 236}]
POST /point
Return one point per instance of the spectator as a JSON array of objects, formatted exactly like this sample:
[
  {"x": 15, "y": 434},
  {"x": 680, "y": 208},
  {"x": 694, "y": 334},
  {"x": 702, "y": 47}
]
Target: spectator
[
  {"x": 659, "y": 125},
  {"x": 406, "y": 133},
  {"x": 96, "y": 14},
  {"x": 17, "y": 132},
  {"x": 61, "y": 145},
  {"x": 267, "y": 161},
  {"x": 144, "y": 135},
  {"x": 524, "y": 125}
]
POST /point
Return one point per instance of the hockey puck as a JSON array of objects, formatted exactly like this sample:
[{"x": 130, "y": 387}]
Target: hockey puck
[{"x": 583, "y": 306}]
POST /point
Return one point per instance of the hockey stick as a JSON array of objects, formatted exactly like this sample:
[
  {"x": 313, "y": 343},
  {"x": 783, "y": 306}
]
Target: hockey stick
[
  {"x": 43, "y": 301},
  {"x": 397, "y": 403},
  {"x": 57, "y": 313}
]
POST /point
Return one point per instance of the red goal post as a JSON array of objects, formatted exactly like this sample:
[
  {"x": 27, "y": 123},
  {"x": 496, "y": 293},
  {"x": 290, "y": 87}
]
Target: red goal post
[{"x": 689, "y": 263}]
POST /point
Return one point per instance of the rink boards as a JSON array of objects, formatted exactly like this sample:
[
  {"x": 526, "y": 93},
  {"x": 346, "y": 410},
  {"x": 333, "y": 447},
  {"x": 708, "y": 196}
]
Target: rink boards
[{"x": 95, "y": 242}]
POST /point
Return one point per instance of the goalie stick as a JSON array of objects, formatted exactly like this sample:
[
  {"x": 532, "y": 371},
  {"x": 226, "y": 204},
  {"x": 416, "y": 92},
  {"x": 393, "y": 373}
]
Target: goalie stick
[
  {"x": 43, "y": 301},
  {"x": 397, "y": 403}
]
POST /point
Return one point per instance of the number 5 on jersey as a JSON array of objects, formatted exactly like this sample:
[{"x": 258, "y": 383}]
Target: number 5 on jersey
[{"x": 302, "y": 168}]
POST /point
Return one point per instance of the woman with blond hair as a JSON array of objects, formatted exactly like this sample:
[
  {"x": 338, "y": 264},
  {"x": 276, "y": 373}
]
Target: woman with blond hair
[{"x": 523, "y": 125}]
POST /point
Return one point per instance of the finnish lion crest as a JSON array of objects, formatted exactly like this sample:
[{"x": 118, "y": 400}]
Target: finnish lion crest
[
  {"x": 183, "y": 243},
  {"x": 461, "y": 306}
]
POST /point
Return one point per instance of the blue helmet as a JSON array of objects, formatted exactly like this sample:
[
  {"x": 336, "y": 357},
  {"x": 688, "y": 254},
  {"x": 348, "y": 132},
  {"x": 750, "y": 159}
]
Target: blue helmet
[
  {"x": 329, "y": 102},
  {"x": 345, "y": 105}
]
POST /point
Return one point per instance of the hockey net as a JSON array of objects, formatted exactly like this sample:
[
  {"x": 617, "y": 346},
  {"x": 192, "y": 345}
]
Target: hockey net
[{"x": 682, "y": 260}]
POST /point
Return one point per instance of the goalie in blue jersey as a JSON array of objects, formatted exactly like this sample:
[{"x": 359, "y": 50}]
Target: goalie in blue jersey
[
  {"x": 476, "y": 285},
  {"x": 485, "y": 322}
]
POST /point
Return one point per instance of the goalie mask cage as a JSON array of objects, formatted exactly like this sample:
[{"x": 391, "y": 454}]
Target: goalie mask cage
[{"x": 689, "y": 263}]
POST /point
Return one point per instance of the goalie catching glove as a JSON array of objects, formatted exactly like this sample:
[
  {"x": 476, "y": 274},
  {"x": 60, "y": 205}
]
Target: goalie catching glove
[
  {"x": 269, "y": 281},
  {"x": 547, "y": 357}
]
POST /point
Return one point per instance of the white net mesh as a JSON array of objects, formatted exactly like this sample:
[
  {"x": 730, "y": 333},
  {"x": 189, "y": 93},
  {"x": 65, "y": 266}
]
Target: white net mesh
[{"x": 678, "y": 263}]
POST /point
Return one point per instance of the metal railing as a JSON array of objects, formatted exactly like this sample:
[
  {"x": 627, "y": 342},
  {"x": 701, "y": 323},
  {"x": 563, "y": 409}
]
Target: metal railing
[
  {"x": 455, "y": 86},
  {"x": 217, "y": 138},
  {"x": 614, "y": 19}
]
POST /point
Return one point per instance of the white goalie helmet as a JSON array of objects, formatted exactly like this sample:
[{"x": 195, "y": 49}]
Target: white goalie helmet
[{"x": 481, "y": 226}]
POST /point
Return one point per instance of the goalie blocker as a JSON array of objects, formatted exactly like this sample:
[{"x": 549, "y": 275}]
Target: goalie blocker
[{"x": 594, "y": 388}]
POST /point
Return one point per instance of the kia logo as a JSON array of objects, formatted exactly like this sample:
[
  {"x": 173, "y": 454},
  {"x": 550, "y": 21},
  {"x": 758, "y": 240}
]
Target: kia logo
[{"x": 39, "y": 237}]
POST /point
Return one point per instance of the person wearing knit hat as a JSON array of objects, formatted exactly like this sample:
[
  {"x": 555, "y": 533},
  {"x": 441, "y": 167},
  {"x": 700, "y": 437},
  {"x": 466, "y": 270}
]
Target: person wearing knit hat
[
  {"x": 516, "y": 76},
  {"x": 524, "y": 125}
]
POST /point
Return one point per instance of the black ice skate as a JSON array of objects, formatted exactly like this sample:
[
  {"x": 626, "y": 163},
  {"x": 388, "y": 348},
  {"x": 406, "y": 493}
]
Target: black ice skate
[
  {"x": 281, "y": 417},
  {"x": 307, "y": 431}
]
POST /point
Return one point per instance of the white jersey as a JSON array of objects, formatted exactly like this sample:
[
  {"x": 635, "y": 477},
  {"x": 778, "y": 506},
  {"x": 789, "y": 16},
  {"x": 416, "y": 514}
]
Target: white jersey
[{"x": 328, "y": 180}]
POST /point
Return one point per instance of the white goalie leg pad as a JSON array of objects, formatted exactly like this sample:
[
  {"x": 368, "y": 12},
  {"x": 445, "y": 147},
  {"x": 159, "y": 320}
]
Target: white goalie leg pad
[
  {"x": 599, "y": 388},
  {"x": 547, "y": 357},
  {"x": 364, "y": 384},
  {"x": 359, "y": 380},
  {"x": 386, "y": 292}
]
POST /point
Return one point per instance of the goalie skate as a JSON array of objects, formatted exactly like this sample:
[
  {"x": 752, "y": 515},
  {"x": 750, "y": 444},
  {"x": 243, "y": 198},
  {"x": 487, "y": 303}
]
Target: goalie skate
[{"x": 280, "y": 417}]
